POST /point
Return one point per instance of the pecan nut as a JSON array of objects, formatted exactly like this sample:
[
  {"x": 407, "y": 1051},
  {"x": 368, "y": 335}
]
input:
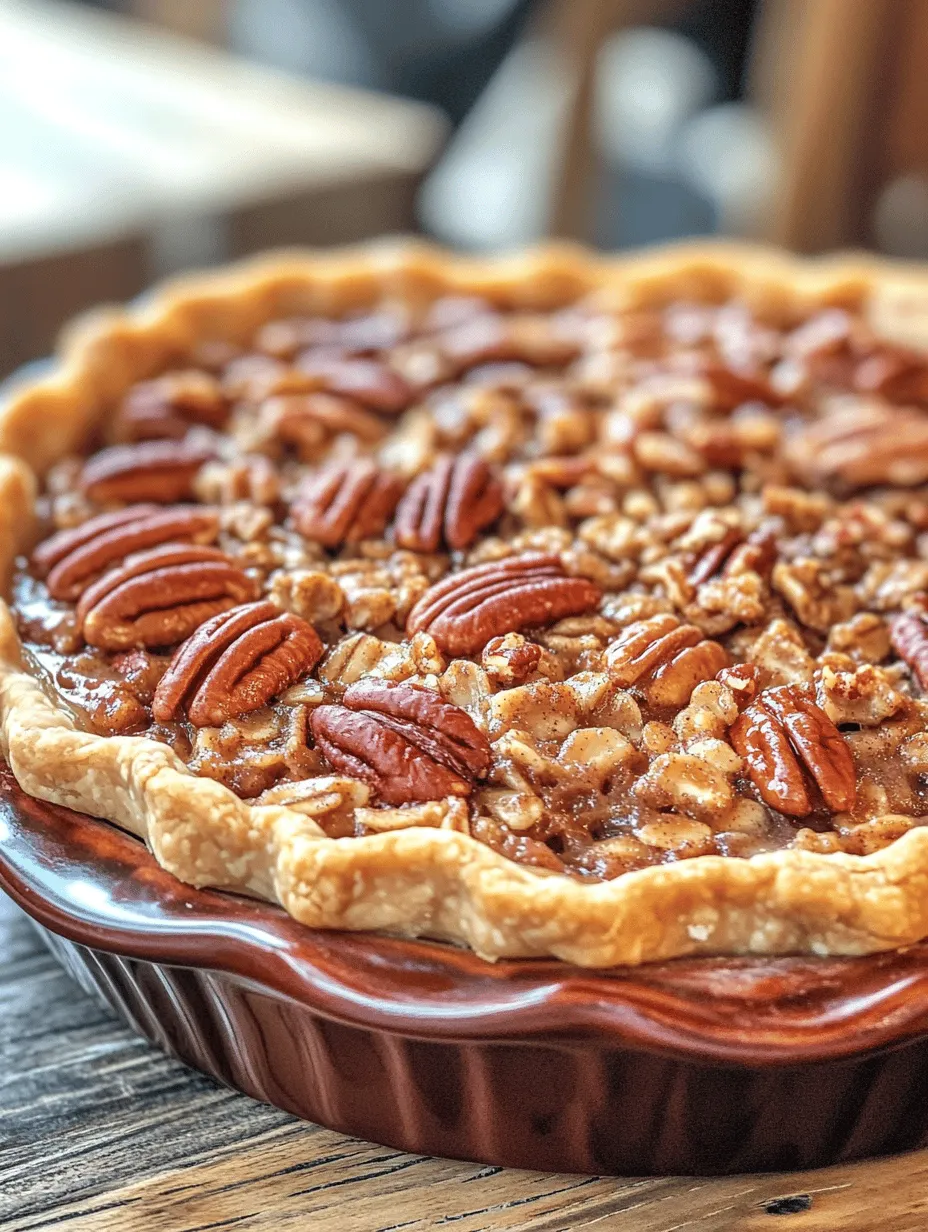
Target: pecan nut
[
  {"x": 346, "y": 502},
  {"x": 161, "y": 471},
  {"x": 563, "y": 472},
  {"x": 407, "y": 743},
  {"x": 863, "y": 445},
  {"x": 730, "y": 388},
  {"x": 159, "y": 597},
  {"x": 368, "y": 381},
  {"x": 895, "y": 373},
  {"x": 234, "y": 663},
  {"x": 713, "y": 559},
  {"x": 72, "y": 559},
  {"x": 733, "y": 554},
  {"x": 788, "y": 743},
  {"x": 465, "y": 610},
  {"x": 449, "y": 504},
  {"x": 664, "y": 659},
  {"x": 834, "y": 349},
  {"x": 908, "y": 636},
  {"x": 167, "y": 407},
  {"x": 816, "y": 595},
  {"x": 742, "y": 681},
  {"x": 250, "y": 477},
  {"x": 308, "y": 419},
  {"x": 510, "y": 660}
]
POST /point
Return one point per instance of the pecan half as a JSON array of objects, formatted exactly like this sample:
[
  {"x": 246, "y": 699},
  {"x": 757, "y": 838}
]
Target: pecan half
[
  {"x": 305, "y": 419},
  {"x": 730, "y": 388},
  {"x": 908, "y": 636},
  {"x": 465, "y": 610},
  {"x": 161, "y": 471},
  {"x": 368, "y": 381},
  {"x": 733, "y": 554},
  {"x": 712, "y": 560},
  {"x": 895, "y": 373},
  {"x": 166, "y": 407},
  {"x": 235, "y": 663},
  {"x": 664, "y": 659},
  {"x": 834, "y": 349},
  {"x": 346, "y": 502},
  {"x": 73, "y": 558},
  {"x": 158, "y": 597},
  {"x": 786, "y": 740},
  {"x": 862, "y": 445},
  {"x": 407, "y": 743},
  {"x": 449, "y": 504}
]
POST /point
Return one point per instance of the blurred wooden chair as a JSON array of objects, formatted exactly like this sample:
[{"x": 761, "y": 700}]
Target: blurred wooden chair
[
  {"x": 843, "y": 82},
  {"x": 578, "y": 29},
  {"x": 846, "y": 87}
]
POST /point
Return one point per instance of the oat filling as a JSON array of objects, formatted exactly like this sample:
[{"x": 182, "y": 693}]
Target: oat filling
[{"x": 602, "y": 589}]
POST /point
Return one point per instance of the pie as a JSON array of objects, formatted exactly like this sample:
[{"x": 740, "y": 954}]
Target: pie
[{"x": 552, "y": 606}]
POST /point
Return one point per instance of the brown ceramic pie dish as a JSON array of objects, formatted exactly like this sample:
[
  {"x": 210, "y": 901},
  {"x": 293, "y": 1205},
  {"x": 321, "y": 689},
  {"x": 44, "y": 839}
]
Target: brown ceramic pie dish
[
  {"x": 695, "y": 1066},
  {"x": 572, "y": 610}
]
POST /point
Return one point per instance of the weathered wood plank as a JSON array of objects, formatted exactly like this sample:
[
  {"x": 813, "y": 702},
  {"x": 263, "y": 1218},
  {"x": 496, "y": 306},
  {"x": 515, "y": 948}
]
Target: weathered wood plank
[
  {"x": 79, "y": 1091},
  {"x": 101, "y": 1133},
  {"x": 294, "y": 1180}
]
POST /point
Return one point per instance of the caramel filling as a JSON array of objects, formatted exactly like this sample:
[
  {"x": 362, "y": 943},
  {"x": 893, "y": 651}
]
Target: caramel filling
[{"x": 632, "y": 587}]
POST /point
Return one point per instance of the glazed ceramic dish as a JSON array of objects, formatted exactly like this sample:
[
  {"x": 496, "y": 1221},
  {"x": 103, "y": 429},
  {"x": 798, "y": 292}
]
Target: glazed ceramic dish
[
  {"x": 698, "y": 1066},
  {"x": 559, "y": 608}
]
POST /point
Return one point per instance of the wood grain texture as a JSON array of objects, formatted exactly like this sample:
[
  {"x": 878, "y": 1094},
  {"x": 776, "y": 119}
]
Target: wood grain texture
[{"x": 101, "y": 1133}]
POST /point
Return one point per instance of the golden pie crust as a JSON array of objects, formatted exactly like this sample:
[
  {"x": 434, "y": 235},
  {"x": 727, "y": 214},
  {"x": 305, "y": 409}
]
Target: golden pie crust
[{"x": 424, "y": 881}]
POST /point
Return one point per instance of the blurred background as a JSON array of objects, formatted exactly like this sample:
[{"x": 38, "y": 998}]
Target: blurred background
[{"x": 139, "y": 137}]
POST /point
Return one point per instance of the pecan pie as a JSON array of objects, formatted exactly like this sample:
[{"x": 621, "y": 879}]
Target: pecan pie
[{"x": 553, "y": 606}]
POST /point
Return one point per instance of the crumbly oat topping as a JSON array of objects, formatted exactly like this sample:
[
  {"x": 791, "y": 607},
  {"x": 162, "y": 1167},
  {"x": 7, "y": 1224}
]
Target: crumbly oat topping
[{"x": 601, "y": 589}]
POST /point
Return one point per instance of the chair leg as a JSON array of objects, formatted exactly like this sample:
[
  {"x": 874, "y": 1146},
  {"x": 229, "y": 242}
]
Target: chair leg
[
  {"x": 826, "y": 64},
  {"x": 578, "y": 28}
]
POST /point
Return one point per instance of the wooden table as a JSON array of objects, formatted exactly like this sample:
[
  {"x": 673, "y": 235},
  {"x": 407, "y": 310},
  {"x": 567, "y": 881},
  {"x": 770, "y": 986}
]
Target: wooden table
[
  {"x": 127, "y": 153},
  {"x": 99, "y": 1132}
]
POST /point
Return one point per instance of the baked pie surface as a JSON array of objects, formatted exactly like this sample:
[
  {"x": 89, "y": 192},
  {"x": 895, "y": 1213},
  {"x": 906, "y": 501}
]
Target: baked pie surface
[{"x": 552, "y": 606}]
